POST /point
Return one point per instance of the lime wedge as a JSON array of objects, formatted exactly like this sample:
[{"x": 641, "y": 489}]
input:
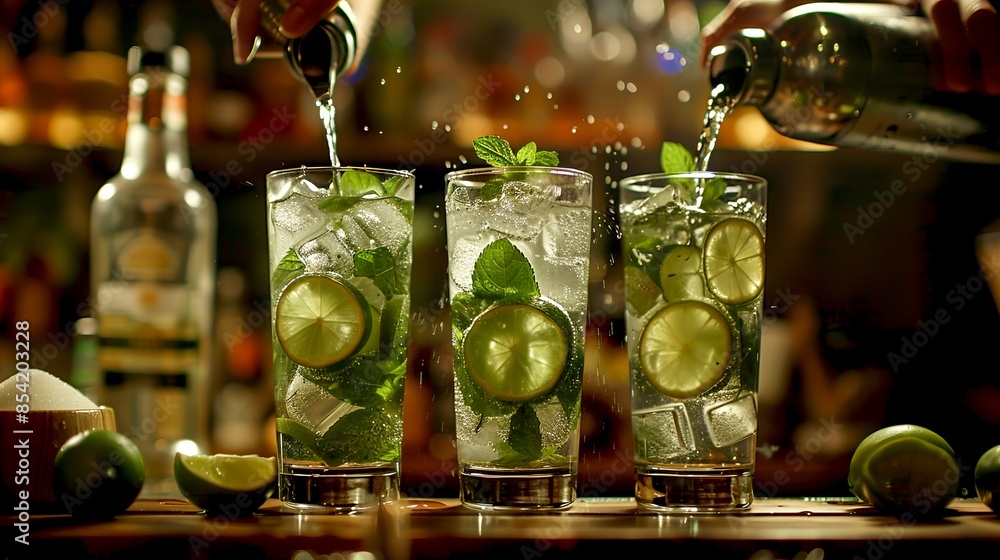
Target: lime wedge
[
  {"x": 680, "y": 273},
  {"x": 320, "y": 321},
  {"x": 224, "y": 482},
  {"x": 641, "y": 293},
  {"x": 515, "y": 352},
  {"x": 734, "y": 261},
  {"x": 684, "y": 348}
]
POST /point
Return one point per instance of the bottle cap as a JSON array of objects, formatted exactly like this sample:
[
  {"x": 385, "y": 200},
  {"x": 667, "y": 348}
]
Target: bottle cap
[{"x": 175, "y": 59}]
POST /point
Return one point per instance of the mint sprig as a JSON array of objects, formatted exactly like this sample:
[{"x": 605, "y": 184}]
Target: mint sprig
[
  {"x": 497, "y": 152},
  {"x": 675, "y": 158}
]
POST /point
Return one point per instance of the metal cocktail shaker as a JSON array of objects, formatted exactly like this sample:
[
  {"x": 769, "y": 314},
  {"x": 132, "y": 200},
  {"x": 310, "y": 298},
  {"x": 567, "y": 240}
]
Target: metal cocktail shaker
[
  {"x": 858, "y": 75},
  {"x": 327, "y": 51}
]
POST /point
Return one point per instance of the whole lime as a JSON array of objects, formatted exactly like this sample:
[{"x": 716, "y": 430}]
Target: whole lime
[
  {"x": 987, "y": 477},
  {"x": 98, "y": 474},
  {"x": 904, "y": 469}
]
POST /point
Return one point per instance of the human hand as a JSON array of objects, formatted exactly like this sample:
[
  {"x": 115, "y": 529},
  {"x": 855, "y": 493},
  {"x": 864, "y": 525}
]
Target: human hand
[
  {"x": 742, "y": 14},
  {"x": 967, "y": 29},
  {"x": 244, "y": 21}
]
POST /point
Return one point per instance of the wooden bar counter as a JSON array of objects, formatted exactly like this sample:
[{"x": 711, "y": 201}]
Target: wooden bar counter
[{"x": 801, "y": 529}]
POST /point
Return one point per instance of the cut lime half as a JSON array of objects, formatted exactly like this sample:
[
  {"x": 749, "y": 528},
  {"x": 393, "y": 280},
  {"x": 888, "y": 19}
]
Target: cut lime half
[
  {"x": 685, "y": 348},
  {"x": 212, "y": 481},
  {"x": 734, "y": 261},
  {"x": 320, "y": 321},
  {"x": 515, "y": 352}
]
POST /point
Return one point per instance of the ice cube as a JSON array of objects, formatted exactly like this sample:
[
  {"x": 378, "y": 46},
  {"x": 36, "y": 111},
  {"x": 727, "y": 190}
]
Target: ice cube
[
  {"x": 732, "y": 421},
  {"x": 376, "y": 223},
  {"x": 327, "y": 253},
  {"x": 520, "y": 210},
  {"x": 462, "y": 259},
  {"x": 662, "y": 432},
  {"x": 294, "y": 221},
  {"x": 567, "y": 232},
  {"x": 310, "y": 405},
  {"x": 296, "y": 213}
]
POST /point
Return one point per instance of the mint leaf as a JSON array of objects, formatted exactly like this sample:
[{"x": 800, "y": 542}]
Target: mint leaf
[
  {"x": 492, "y": 189},
  {"x": 289, "y": 268},
  {"x": 356, "y": 381},
  {"x": 675, "y": 158},
  {"x": 337, "y": 204},
  {"x": 378, "y": 265},
  {"x": 494, "y": 150},
  {"x": 713, "y": 189},
  {"x": 502, "y": 271},
  {"x": 391, "y": 389},
  {"x": 526, "y": 155},
  {"x": 392, "y": 185},
  {"x": 547, "y": 158},
  {"x": 525, "y": 436},
  {"x": 465, "y": 307},
  {"x": 359, "y": 183},
  {"x": 394, "y": 328},
  {"x": 368, "y": 435}
]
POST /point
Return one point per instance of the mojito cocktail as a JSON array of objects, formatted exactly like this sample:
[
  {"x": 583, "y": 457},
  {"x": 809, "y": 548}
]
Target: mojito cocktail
[
  {"x": 340, "y": 247},
  {"x": 519, "y": 256},
  {"x": 693, "y": 249}
]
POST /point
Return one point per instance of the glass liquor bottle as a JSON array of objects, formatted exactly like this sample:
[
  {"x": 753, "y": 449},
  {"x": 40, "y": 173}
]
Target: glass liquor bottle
[
  {"x": 153, "y": 235},
  {"x": 857, "y": 75}
]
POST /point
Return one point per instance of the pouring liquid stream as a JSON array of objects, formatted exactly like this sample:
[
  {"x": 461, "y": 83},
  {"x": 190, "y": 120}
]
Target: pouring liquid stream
[{"x": 720, "y": 104}]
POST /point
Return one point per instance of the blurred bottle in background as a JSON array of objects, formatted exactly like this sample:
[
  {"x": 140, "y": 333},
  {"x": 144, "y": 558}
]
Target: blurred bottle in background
[{"x": 153, "y": 236}]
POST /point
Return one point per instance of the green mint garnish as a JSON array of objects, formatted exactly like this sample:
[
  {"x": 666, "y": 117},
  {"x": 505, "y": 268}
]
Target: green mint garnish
[
  {"x": 497, "y": 152},
  {"x": 355, "y": 184},
  {"x": 289, "y": 268},
  {"x": 367, "y": 435},
  {"x": 378, "y": 265},
  {"x": 356, "y": 382},
  {"x": 392, "y": 185},
  {"x": 525, "y": 435},
  {"x": 337, "y": 204},
  {"x": 359, "y": 183},
  {"x": 675, "y": 158},
  {"x": 503, "y": 271}
]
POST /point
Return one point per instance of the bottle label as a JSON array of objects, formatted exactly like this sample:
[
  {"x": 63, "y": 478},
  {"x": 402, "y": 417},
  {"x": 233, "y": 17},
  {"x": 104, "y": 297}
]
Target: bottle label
[{"x": 148, "y": 255}]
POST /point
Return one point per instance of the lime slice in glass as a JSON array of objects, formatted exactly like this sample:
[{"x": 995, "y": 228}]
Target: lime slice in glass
[
  {"x": 320, "y": 321},
  {"x": 685, "y": 347},
  {"x": 235, "y": 481},
  {"x": 734, "y": 261},
  {"x": 515, "y": 352},
  {"x": 680, "y": 273}
]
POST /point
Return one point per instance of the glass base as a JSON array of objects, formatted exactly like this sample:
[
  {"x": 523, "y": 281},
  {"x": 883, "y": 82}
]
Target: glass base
[
  {"x": 313, "y": 490},
  {"x": 517, "y": 489},
  {"x": 692, "y": 492}
]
